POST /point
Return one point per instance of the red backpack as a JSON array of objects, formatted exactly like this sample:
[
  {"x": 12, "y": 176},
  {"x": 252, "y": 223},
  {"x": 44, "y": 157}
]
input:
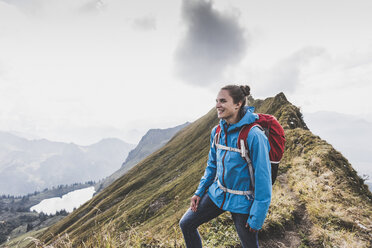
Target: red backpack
[{"x": 275, "y": 134}]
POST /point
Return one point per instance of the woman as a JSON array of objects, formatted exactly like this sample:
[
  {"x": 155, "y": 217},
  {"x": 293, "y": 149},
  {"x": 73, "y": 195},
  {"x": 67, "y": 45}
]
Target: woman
[{"x": 226, "y": 180}]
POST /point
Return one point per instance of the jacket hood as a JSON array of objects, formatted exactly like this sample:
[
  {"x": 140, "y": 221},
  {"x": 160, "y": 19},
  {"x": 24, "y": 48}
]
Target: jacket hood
[{"x": 248, "y": 118}]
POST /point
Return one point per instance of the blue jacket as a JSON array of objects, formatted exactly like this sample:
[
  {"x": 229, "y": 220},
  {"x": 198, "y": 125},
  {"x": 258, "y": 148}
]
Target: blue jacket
[{"x": 232, "y": 171}]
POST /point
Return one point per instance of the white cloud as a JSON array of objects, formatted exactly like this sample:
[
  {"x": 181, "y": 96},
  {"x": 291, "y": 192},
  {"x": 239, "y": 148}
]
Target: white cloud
[
  {"x": 82, "y": 71},
  {"x": 286, "y": 74},
  {"x": 69, "y": 65},
  {"x": 30, "y": 7},
  {"x": 337, "y": 83},
  {"x": 93, "y": 6},
  {"x": 145, "y": 23},
  {"x": 57, "y": 8}
]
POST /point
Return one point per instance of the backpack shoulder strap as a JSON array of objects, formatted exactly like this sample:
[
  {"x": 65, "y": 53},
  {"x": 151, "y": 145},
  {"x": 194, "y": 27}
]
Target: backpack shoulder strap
[
  {"x": 243, "y": 146},
  {"x": 216, "y": 139},
  {"x": 243, "y": 135},
  {"x": 218, "y": 129}
]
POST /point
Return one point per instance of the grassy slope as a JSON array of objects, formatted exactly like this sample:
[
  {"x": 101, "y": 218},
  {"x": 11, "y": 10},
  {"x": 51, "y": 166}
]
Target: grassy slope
[
  {"x": 319, "y": 200},
  {"x": 23, "y": 240}
]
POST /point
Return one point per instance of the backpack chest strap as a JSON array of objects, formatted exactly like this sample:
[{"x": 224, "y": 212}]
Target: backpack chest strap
[
  {"x": 227, "y": 148},
  {"x": 249, "y": 193},
  {"x": 243, "y": 151}
]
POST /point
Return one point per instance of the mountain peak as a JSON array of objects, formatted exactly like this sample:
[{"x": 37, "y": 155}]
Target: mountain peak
[
  {"x": 150, "y": 142},
  {"x": 289, "y": 116},
  {"x": 318, "y": 199}
]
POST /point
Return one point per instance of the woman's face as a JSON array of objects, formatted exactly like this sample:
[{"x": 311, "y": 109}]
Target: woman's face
[{"x": 226, "y": 108}]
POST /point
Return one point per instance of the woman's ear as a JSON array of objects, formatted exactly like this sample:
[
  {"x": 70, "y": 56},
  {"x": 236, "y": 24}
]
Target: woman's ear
[{"x": 238, "y": 105}]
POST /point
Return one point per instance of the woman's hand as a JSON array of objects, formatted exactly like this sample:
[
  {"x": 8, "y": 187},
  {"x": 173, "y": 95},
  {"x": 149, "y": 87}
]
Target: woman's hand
[
  {"x": 194, "y": 203},
  {"x": 250, "y": 228}
]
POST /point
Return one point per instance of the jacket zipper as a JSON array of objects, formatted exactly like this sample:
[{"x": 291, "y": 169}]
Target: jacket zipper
[{"x": 223, "y": 167}]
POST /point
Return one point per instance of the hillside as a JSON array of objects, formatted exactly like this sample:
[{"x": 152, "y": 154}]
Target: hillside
[
  {"x": 27, "y": 166},
  {"x": 150, "y": 142},
  {"x": 318, "y": 199}
]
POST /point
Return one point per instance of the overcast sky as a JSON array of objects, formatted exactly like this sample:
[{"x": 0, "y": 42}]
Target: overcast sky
[{"x": 81, "y": 70}]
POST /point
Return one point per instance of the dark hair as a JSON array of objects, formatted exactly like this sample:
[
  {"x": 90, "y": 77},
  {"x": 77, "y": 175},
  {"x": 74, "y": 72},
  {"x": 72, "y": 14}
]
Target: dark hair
[{"x": 238, "y": 93}]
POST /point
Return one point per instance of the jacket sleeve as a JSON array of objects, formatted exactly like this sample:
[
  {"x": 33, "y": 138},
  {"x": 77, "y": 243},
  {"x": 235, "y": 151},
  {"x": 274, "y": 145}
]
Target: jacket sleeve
[
  {"x": 210, "y": 170},
  {"x": 259, "y": 148}
]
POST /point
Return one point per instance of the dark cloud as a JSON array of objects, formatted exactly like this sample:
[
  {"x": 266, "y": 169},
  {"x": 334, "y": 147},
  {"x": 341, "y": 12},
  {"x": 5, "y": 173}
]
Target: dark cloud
[
  {"x": 145, "y": 23},
  {"x": 213, "y": 41}
]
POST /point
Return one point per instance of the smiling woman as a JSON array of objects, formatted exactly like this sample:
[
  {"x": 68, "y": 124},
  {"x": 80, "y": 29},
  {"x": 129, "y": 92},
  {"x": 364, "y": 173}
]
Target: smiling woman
[
  {"x": 226, "y": 100},
  {"x": 231, "y": 182}
]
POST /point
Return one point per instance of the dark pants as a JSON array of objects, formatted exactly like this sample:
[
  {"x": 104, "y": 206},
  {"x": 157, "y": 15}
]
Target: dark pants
[{"x": 207, "y": 210}]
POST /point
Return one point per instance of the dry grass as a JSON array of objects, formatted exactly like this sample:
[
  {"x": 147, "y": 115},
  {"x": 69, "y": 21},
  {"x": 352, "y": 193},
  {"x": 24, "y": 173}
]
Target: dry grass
[
  {"x": 341, "y": 216},
  {"x": 282, "y": 206}
]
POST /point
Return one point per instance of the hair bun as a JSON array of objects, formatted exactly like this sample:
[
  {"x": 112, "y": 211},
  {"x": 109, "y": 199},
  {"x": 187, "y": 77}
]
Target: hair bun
[{"x": 245, "y": 89}]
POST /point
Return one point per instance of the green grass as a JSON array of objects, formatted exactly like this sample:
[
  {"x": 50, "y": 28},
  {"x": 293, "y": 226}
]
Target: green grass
[{"x": 317, "y": 188}]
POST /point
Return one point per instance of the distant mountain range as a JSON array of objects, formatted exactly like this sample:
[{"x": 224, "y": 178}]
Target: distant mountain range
[
  {"x": 153, "y": 140},
  {"x": 33, "y": 165},
  {"x": 13, "y": 211}
]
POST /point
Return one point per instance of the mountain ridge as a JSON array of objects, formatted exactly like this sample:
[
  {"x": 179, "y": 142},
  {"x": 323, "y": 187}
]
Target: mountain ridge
[
  {"x": 156, "y": 138},
  {"x": 329, "y": 206},
  {"x": 355, "y": 130},
  {"x": 153, "y": 140}
]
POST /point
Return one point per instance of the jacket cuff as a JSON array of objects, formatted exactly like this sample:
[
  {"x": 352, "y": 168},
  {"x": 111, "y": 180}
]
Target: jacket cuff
[
  {"x": 199, "y": 193},
  {"x": 253, "y": 224}
]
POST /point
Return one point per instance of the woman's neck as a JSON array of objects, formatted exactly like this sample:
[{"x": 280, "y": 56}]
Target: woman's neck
[{"x": 232, "y": 120}]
